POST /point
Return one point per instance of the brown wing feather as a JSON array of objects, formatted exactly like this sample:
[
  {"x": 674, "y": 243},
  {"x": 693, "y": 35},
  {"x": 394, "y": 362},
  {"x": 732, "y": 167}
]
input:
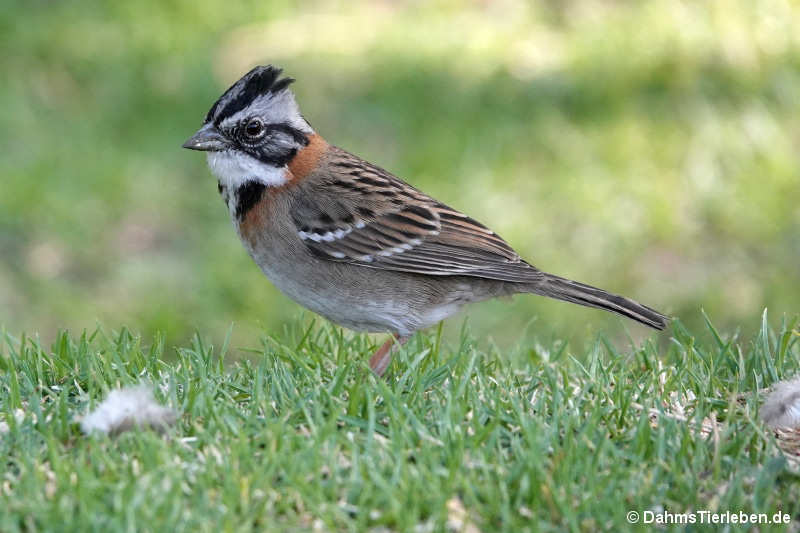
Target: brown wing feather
[{"x": 363, "y": 215}]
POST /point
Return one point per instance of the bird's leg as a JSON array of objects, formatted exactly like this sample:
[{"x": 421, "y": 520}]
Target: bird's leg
[{"x": 380, "y": 360}]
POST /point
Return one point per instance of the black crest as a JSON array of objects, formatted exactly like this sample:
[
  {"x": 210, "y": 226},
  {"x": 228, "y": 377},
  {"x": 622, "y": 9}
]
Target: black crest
[{"x": 260, "y": 80}]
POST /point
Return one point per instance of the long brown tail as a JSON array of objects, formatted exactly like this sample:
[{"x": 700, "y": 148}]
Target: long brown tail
[{"x": 582, "y": 294}]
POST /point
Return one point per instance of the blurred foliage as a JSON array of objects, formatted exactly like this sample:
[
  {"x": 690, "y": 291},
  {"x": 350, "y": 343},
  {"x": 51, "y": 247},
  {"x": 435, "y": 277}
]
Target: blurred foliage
[{"x": 648, "y": 148}]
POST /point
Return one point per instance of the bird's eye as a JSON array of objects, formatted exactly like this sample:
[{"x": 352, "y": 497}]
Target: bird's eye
[{"x": 254, "y": 129}]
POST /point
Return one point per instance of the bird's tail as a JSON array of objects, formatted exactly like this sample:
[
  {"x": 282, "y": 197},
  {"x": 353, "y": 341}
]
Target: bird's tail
[{"x": 582, "y": 294}]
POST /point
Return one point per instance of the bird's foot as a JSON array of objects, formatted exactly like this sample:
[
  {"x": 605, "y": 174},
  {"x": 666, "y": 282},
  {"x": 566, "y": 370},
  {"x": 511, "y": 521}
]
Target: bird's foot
[{"x": 380, "y": 360}]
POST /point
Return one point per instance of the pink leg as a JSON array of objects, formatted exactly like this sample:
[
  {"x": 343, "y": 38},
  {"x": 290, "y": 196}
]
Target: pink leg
[{"x": 379, "y": 362}]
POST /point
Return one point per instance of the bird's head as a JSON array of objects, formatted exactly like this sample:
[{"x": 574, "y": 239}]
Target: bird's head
[{"x": 253, "y": 130}]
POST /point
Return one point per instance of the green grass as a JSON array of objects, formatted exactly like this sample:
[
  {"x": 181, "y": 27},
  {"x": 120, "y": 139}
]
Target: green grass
[{"x": 299, "y": 434}]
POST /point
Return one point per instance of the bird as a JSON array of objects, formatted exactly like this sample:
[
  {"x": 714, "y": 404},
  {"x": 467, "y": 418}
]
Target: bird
[{"x": 349, "y": 240}]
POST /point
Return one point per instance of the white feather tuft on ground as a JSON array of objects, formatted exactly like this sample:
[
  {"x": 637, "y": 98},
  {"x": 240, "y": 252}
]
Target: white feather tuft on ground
[
  {"x": 129, "y": 408},
  {"x": 781, "y": 408}
]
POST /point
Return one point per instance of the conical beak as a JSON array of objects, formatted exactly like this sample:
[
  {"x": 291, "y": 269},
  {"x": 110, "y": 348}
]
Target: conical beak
[{"x": 207, "y": 139}]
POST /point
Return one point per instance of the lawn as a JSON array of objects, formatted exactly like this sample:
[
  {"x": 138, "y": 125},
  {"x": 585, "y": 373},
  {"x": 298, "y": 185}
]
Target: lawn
[{"x": 300, "y": 435}]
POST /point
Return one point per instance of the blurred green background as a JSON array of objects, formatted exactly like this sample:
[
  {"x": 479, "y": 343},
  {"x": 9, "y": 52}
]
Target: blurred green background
[{"x": 649, "y": 148}]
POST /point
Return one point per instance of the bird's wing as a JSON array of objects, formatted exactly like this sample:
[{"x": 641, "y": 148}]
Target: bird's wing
[{"x": 361, "y": 214}]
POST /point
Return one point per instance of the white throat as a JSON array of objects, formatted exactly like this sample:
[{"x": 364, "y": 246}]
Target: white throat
[{"x": 233, "y": 168}]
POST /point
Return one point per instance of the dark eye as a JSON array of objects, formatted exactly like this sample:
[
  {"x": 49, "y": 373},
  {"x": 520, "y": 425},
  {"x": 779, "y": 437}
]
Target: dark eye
[{"x": 254, "y": 129}]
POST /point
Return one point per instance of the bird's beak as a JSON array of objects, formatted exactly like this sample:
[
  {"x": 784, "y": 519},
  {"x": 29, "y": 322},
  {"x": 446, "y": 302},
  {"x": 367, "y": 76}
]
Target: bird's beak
[{"x": 207, "y": 139}]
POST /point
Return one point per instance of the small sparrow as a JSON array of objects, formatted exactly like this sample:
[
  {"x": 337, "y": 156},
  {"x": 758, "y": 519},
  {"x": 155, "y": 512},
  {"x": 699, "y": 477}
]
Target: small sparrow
[{"x": 350, "y": 241}]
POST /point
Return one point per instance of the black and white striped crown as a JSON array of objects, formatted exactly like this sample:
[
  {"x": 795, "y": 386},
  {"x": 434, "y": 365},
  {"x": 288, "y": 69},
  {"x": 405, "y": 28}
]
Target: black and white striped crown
[{"x": 259, "y": 81}]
